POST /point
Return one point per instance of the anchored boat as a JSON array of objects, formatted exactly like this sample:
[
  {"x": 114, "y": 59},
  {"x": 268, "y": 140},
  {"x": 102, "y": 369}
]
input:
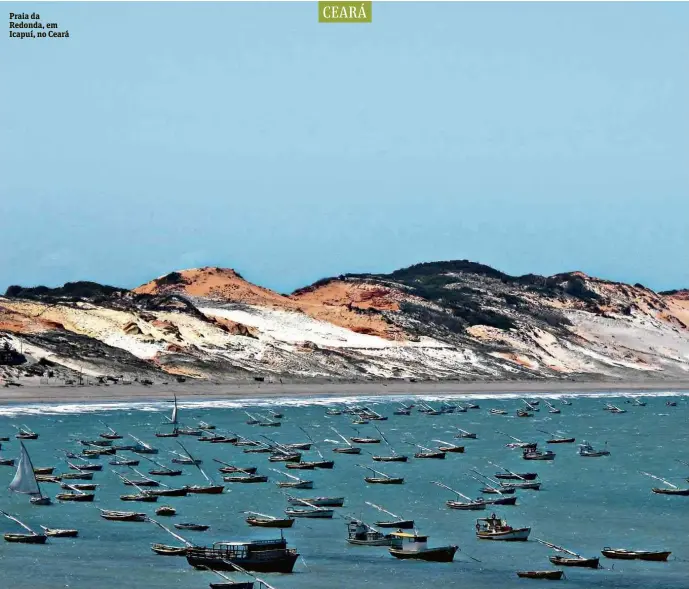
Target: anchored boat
[{"x": 495, "y": 528}]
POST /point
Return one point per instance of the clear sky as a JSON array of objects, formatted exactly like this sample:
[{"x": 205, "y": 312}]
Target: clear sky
[{"x": 531, "y": 137}]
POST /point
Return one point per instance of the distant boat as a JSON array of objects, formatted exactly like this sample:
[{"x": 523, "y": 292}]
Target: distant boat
[
  {"x": 398, "y": 522},
  {"x": 465, "y": 434},
  {"x": 622, "y": 554},
  {"x": 588, "y": 451},
  {"x": 125, "y": 516},
  {"x": 549, "y": 575},
  {"x": 468, "y": 505},
  {"x": 261, "y": 520},
  {"x": 24, "y": 481},
  {"x": 382, "y": 478},
  {"x": 361, "y": 534},
  {"x": 498, "y": 412},
  {"x": 59, "y": 533},
  {"x": 573, "y": 560}
]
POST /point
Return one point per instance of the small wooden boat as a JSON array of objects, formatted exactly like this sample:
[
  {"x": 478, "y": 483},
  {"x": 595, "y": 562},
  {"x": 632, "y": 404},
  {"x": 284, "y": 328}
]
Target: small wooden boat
[
  {"x": 468, "y": 504},
  {"x": 573, "y": 560},
  {"x": 96, "y": 443},
  {"x": 670, "y": 490},
  {"x": 509, "y": 476},
  {"x": 333, "y": 412},
  {"x": 140, "y": 497},
  {"x": 45, "y": 478},
  {"x": 622, "y": 554},
  {"x": 294, "y": 483},
  {"x": 229, "y": 469},
  {"x": 169, "y": 492},
  {"x": 166, "y": 510},
  {"x": 358, "y": 440},
  {"x": 6, "y": 461},
  {"x": 524, "y": 413},
  {"x": 80, "y": 486},
  {"x": 348, "y": 450},
  {"x": 58, "y": 533},
  {"x": 495, "y": 528},
  {"x": 205, "y": 489},
  {"x": 449, "y": 447},
  {"x": 111, "y": 434},
  {"x": 429, "y": 453},
  {"x": 382, "y": 478},
  {"x": 301, "y": 465},
  {"x": 43, "y": 470},
  {"x": 124, "y": 462},
  {"x": 314, "y": 513},
  {"x": 186, "y": 431},
  {"x": 77, "y": 476},
  {"x": 317, "y": 501},
  {"x": 78, "y": 497},
  {"x": 552, "y": 408},
  {"x": 465, "y": 435},
  {"x": 398, "y": 522},
  {"x": 498, "y": 412},
  {"x": 285, "y": 457},
  {"x": 192, "y": 527},
  {"x": 24, "y": 433},
  {"x": 299, "y": 446},
  {"x": 122, "y": 516},
  {"x": 246, "y": 478},
  {"x": 414, "y": 546},
  {"x": 30, "y": 538},
  {"x": 502, "y": 500},
  {"x": 166, "y": 550},
  {"x": 261, "y": 520},
  {"x": 393, "y": 458},
  {"x": 548, "y": 575}
]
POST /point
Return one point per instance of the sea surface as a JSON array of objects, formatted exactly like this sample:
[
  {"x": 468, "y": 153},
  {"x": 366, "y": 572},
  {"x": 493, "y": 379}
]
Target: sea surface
[{"x": 585, "y": 504}]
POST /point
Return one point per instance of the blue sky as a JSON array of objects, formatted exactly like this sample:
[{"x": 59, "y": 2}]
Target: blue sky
[{"x": 532, "y": 137}]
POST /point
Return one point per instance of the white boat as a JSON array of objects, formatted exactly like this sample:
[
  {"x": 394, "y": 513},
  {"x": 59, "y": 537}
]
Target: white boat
[
  {"x": 498, "y": 412},
  {"x": 24, "y": 481},
  {"x": 495, "y": 528}
]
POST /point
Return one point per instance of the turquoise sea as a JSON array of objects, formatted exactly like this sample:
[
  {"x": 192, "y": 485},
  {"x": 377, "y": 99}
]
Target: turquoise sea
[{"x": 585, "y": 504}]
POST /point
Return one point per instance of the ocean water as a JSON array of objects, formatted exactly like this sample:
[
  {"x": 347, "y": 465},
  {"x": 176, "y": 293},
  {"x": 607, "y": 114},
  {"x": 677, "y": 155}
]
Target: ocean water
[{"x": 584, "y": 504}]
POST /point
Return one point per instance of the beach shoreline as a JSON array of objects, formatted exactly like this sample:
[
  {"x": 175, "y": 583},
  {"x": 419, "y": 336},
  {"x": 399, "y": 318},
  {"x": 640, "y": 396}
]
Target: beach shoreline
[{"x": 256, "y": 390}]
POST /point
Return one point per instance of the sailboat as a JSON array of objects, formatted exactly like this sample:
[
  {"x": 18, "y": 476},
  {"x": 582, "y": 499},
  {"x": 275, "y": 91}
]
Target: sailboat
[
  {"x": 382, "y": 478},
  {"x": 30, "y": 538},
  {"x": 395, "y": 456},
  {"x": 470, "y": 504},
  {"x": 295, "y": 483},
  {"x": 673, "y": 490},
  {"x": 575, "y": 560},
  {"x": 398, "y": 522},
  {"x": 349, "y": 449},
  {"x": 24, "y": 480},
  {"x": 111, "y": 434},
  {"x": 465, "y": 434},
  {"x": 322, "y": 463},
  {"x": 166, "y": 550},
  {"x": 173, "y": 420},
  {"x": 211, "y": 488}
]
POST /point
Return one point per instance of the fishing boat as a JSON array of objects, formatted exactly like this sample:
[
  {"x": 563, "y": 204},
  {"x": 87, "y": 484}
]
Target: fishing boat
[
  {"x": 84, "y": 467},
  {"x": 182, "y": 459},
  {"x": 166, "y": 511},
  {"x": 573, "y": 560},
  {"x": 30, "y": 538},
  {"x": 517, "y": 443},
  {"x": 429, "y": 453},
  {"x": 261, "y": 520},
  {"x": 111, "y": 434},
  {"x": 519, "y": 482},
  {"x": 333, "y": 412},
  {"x": 80, "y": 475},
  {"x": 142, "y": 447},
  {"x": 24, "y": 481},
  {"x": 167, "y": 550},
  {"x": 465, "y": 435},
  {"x": 524, "y": 413},
  {"x": 531, "y": 406},
  {"x": 548, "y": 575},
  {"x": 349, "y": 448},
  {"x": 613, "y": 408},
  {"x": 509, "y": 476},
  {"x": 143, "y": 497},
  {"x": 50, "y": 469},
  {"x": 314, "y": 510},
  {"x": 265, "y": 556},
  {"x": 98, "y": 452},
  {"x": 193, "y": 527},
  {"x": 468, "y": 504},
  {"x": 538, "y": 454},
  {"x": 361, "y": 534},
  {"x": 622, "y": 554},
  {"x": 6, "y": 461},
  {"x": 364, "y": 440},
  {"x": 382, "y": 478},
  {"x": 565, "y": 402},
  {"x": 96, "y": 443},
  {"x": 318, "y": 501},
  {"x": 122, "y": 516},
  {"x": 552, "y": 408},
  {"x": 281, "y": 456},
  {"x": 398, "y": 522},
  {"x": 450, "y": 447},
  {"x": 671, "y": 490},
  {"x": 301, "y": 465},
  {"x": 144, "y": 481},
  {"x": 496, "y": 528},
  {"x": 294, "y": 482},
  {"x": 402, "y": 411},
  {"x": 169, "y": 492},
  {"x": 556, "y": 438},
  {"x": 80, "y": 486},
  {"x": 25, "y": 433},
  {"x": 188, "y": 431},
  {"x": 59, "y": 533},
  {"x": 414, "y": 546},
  {"x": 211, "y": 489},
  {"x": 76, "y": 496},
  {"x": 497, "y": 412},
  {"x": 588, "y": 451},
  {"x": 229, "y": 468},
  {"x": 245, "y": 478}
]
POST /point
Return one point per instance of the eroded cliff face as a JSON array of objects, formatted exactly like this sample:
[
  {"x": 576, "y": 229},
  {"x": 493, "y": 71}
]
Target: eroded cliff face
[{"x": 454, "y": 319}]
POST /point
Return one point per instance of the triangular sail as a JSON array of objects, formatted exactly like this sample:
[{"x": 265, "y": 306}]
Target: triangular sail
[{"x": 24, "y": 480}]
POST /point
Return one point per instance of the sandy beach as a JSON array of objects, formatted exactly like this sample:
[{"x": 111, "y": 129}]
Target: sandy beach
[{"x": 254, "y": 390}]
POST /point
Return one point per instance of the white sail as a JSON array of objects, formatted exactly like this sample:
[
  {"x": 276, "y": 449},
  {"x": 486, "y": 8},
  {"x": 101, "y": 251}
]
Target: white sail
[
  {"x": 24, "y": 480},
  {"x": 174, "y": 413}
]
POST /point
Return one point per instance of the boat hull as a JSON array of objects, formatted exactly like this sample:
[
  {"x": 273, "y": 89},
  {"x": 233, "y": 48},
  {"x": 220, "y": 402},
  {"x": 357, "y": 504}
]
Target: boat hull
[
  {"x": 283, "y": 563},
  {"x": 270, "y": 523},
  {"x": 441, "y": 554},
  {"x": 26, "y": 538},
  {"x": 621, "y": 554},
  {"x": 518, "y": 535},
  {"x": 549, "y": 575},
  {"x": 590, "y": 563}
]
